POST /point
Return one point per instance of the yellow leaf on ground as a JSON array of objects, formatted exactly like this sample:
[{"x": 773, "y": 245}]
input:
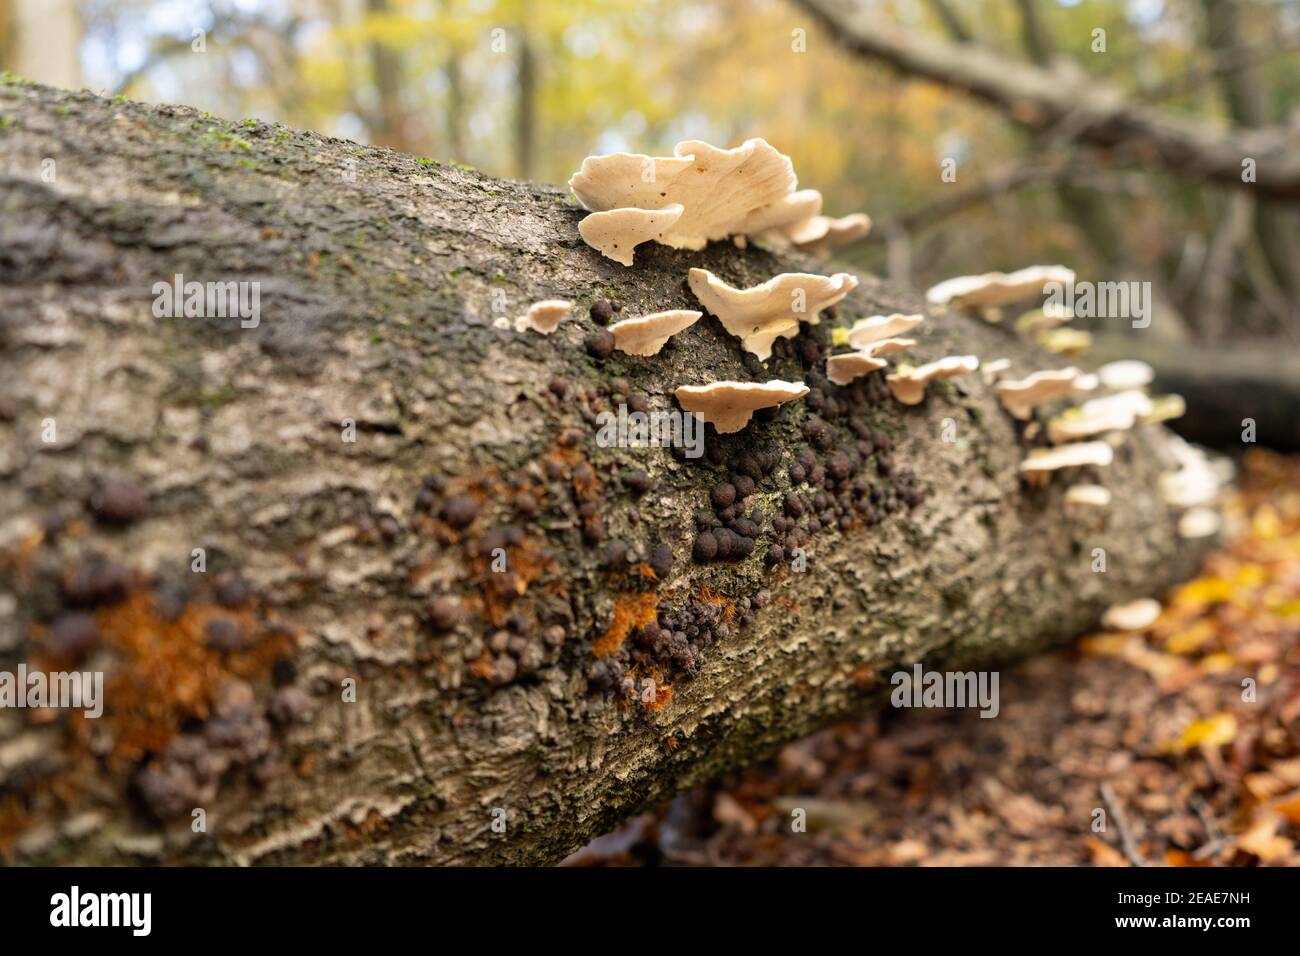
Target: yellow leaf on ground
[{"x": 1211, "y": 732}]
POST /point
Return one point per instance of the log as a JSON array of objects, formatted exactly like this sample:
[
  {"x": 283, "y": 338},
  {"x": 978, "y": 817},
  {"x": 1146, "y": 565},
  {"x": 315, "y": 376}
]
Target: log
[{"x": 359, "y": 576}]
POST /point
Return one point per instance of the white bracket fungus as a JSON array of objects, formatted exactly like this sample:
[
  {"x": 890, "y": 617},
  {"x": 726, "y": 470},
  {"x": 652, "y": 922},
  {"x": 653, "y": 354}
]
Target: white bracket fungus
[
  {"x": 730, "y": 405},
  {"x": 842, "y": 369},
  {"x": 646, "y": 335},
  {"x": 544, "y": 317},
  {"x": 877, "y": 327},
  {"x": 1021, "y": 396},
  {"x": 1043, "y": 460},
  {"x": 1087, "y": 496},
  {"x": 712, "y": 193},
  {"x": 616, "y": 234},
  {"x": 1125, "y": 374},
  {"x": 718, "y": 189},
  {"x": 994, "y": 289},
  {"x": 908, "y": 383},
  {"x": 1199, "y": 523},
  {"x": 1065, "y": 341},
  {"x": 1112, "y": 413},
  {"x": 762, "y": 314},
  {"x": 1135, "y": 616}
]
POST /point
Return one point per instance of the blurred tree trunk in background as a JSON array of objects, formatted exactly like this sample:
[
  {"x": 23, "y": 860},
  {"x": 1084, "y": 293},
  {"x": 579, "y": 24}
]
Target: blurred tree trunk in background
[
  {"x": 1248, "y": 102},
  {"x": 526, "y": 109},
  {"x": 41, "y": 40},
  {"x": 388, "y": 124}
]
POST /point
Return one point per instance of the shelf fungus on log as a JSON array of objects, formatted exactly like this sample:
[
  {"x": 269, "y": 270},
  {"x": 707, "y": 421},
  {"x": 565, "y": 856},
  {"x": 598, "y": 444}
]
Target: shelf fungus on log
[
  {"x": 876, "y": 328},
  {"x": 1087, "y": 496},
  {"x": 908, "y": 383},
  {"x": 615, "y": 234},
  {"x": 995, "y": 289},
  {"x": 647, "y": 334},
  {"x": 544, "y": 317},
  {"x": 1125, "y": 374},
  {"x": 1080, "y": 454},
  {"x": 1021, "y": 396},
  {"x": 760, "y": 315},
  {"x": 728, "y": 406},
  {"x": 705, "y": 193},
  {"x": 843, "y": 369},
  {"x": 718, "y": 189}
]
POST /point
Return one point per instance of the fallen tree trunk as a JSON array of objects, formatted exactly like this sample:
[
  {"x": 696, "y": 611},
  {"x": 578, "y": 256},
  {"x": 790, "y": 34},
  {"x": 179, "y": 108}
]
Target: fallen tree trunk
[{"x": 419, "y": 571}]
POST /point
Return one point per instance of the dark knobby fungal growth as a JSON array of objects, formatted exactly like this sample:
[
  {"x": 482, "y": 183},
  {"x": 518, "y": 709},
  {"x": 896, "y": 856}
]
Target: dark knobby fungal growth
[
  {"x": 459, "y": 511},
  {"x": 705, "y": 548},
  {"x": 637, "y": 482},
  {"x": 94, "y": 579},
  {"x": 600, "y": 344},
  {"x": 231, "y": 591},
  {"x": 445, "y": 612},
  {"x": 723, "y": 495},
  {"x": 118, "y": 501},
  {"x": 71, "y": 634},
  {"x": 661, "y": 560},
  {"x": 223, "y": 634},
  {"x": 602, "y": 311}
]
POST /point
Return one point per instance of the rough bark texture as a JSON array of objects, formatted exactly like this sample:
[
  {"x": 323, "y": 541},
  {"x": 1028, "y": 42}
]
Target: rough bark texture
[{"x": 379, "y": 292}]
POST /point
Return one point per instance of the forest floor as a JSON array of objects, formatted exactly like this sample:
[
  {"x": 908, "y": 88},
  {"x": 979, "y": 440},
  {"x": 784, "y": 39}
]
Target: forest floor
[{"x": 1176, "y": 745}]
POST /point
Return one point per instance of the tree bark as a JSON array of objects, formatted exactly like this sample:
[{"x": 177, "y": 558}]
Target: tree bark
[{"x": 130, "y": 440}]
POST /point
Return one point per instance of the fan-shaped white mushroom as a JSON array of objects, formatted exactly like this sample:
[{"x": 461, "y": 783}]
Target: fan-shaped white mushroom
[
  {"x": 762, "y": 314},
  {"x": 842, "y": 369},
  {"x": 1199, "y": 523},
  {"x": 992, "y": 371},
  {"x": 786, "y": 212},
  {"x": 646, "y": 334},
  {"x": 1087, "y": 496},
  {"x": 877, "y": 327},
  {"x": 1092, "y": 418},
  {"x": 718, "y": 189},
  {"x": 820, "y": 234},
  {"x": 730, "y": 405},
  {"x": 1021, "y": 396},
  {"x": 1134, "y": 616},
  {"x": 1165, "y": 408},
  {"x": 908, "y": 384},
  {"x": 1125, "y": 374},
  {"x": 1049, "y": 316},
  {"x": 1043, "y": 460},
  {"x": 887, "y": 346},
  {"x": 616, "y": 234},
  {"x": 997, "y": 288},
  {"x": 1065, "y": 341},
  {"x": 544, "y": 317}
]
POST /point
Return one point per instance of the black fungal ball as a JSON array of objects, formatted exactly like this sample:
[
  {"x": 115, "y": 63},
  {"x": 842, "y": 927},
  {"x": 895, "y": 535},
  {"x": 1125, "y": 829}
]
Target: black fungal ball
[
  {"x": 637, "y": 482},
  {"x": 223, "y": 634},
  {"x": 705, "y": 548},
  {"x": 661, "y": 560},
  {"x": 445, "y": 612},
  {"x": 601, "y": 311},
  {"x": 72, "y": 633},
  {"x": 723, "y": 495},
  {"x": 600, "y": 344},
  {"x": 459, "y": 511},
  {"x": 744, "y": 486},
  {"x": 118, "y": 501}
]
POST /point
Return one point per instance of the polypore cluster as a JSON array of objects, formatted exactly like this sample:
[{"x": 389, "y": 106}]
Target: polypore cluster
[
  {"x": 699, "y": 194},
  {"x": 761, "y": 314}
]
